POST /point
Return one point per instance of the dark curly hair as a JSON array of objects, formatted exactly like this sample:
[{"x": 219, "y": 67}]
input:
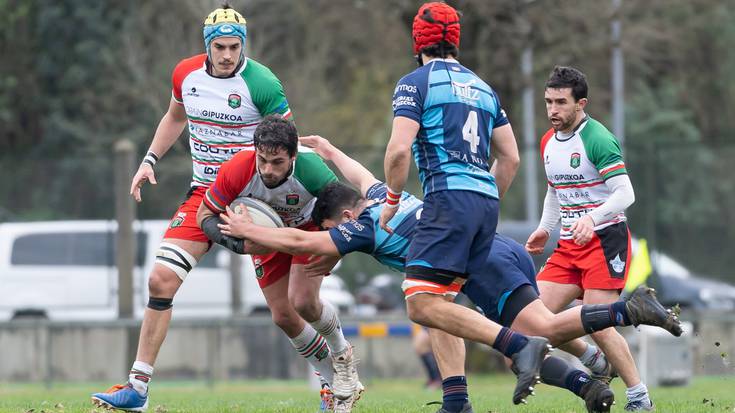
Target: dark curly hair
[
  {"x": 274, "y": 133},
  {"x": 442, "y": 50},
  {"x": 332, "y": 200},
  {"x": 563, "y": 77}
]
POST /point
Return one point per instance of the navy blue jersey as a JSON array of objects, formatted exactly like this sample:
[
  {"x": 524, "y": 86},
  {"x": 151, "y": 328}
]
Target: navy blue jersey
[
  {"x": 365, "y": 235},
  {"x": 457, "y": 112}
]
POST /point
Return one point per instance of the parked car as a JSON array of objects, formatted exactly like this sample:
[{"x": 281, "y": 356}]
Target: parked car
[{"x": 65, "y": 270}]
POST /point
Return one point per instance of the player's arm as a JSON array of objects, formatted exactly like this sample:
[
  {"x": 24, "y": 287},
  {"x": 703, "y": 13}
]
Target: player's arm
[
  {"x": 168, "y": 131},
  {"x": 398, "y": 152},
  {"x": 507, "y": 160},
  {"x": 208, "y": 222},
  {"x": 605, "y": 154},
  {"x": 397, "y": 163},
  {"x": 621, "y": 197},
  {"x": 169, "y": 128},
  {"x": 549, "y": 218},
  {"x": 351, "y": 169},
  {"x": 289, "y": 240}
]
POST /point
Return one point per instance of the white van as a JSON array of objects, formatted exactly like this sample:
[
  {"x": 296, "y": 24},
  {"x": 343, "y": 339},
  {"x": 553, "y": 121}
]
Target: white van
[{"x": 65, "y": 270}]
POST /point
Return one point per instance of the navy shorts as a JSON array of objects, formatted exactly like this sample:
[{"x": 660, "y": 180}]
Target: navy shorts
[
  {"x": 453, "y": 237},
  {"x": 494, "y": 295},
  {"x": 507, "y": 269}
]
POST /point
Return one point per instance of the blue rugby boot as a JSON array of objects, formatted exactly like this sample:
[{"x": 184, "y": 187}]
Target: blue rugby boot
[{"x": 121, "y": 397}]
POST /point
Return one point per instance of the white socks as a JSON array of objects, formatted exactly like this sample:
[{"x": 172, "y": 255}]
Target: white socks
[
  {"x": 328, "y": 326},
  {"x": 639, "y": 392},
  {"x": 312, "y": 346},
  {"x": 140, "y": 375}
]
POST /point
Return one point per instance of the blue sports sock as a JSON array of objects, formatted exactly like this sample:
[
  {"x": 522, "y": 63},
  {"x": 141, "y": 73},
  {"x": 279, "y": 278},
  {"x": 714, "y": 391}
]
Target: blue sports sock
[
  {"x": 455, "y": 393},
  {"x": 575, "y": 380},
  {"x": 621, "y": 314},
  {"x": 509, "y": 342},
  {"x": 596, "y": 317},
  {"x": 557, "y": 372}
]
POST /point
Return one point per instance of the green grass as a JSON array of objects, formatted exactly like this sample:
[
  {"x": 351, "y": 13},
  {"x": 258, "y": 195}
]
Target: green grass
[{"x": 488, "y": 394}]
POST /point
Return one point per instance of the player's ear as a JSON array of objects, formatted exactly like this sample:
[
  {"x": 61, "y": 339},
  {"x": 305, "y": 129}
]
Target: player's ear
[
  {"x": 581, "y": 103},
  {"x": 347, "y": 213}
]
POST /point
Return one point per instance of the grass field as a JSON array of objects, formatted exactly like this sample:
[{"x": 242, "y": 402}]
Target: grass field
[{"x": 489, "y": 394}]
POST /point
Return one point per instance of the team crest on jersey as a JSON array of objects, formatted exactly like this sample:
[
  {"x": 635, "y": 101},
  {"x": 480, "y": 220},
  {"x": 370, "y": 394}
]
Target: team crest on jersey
[
  {"x": 176, "y": 222},
  {"x": 292, "y": 199},
  {"x": 575, "y": 160},
  {"x": 258, "y": 268},
  {"x": 234, "y": 100}
]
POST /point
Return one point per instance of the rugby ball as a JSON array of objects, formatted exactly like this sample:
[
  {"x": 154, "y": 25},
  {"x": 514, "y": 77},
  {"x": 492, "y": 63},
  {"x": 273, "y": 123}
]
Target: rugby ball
[{"x": 261, "y": 213}]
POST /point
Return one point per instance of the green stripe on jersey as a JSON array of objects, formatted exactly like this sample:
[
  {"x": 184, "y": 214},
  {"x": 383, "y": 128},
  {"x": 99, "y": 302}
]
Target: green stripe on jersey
[
  {"x": 202, "y": 179},
  {"x": 621, "y": 171},
  {"x": 216, "y": 122},
  {"x": 266, "y": 90},
  {"x": 580, "y": 204},
  {"x": 601, "y": 146},
  {"x": 217, "y": 142},
  {"x": 312, "y": 172},
  {"x": 224, "y": 158}
]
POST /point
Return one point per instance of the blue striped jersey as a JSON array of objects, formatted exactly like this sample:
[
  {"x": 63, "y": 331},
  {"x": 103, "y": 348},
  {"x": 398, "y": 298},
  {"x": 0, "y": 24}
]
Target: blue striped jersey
[
  {"x": 365, "y": 235},
  {"x": 457, "y": 112}
]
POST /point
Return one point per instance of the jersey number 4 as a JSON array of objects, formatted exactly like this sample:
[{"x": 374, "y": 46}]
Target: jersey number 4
[{"x": 469, "y": 131}]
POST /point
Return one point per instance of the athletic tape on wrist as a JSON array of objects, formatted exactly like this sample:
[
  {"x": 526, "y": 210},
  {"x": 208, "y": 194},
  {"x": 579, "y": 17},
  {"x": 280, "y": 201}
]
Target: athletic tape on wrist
[{"x": 150, "y": 158}]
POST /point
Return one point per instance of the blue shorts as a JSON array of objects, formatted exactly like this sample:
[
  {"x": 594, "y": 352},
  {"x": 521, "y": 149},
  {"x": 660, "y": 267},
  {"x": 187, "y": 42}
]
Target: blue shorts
[
  {"x": 507, "y": 268},
  {"x": 453, "y": 237}
]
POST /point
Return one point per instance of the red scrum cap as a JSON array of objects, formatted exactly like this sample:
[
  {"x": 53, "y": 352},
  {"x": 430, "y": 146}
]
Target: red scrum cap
[{"x": 433, "y": 23}]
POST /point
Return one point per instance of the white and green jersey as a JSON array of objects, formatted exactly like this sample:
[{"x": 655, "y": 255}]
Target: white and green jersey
[
  {"x": 577, "y": 167},
  {"x": 293, "y": 200},
  {"x": 224, "y": 112}
]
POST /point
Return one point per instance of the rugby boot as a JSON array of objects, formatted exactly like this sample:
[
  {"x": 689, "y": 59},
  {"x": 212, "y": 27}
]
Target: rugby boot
[
  {"x": 527, "y": 366},
  {"x": 643, "y": 308},
  {"x": 121, "y": 397},
  {"x": 327, "y": 399},
  {"x": 346, "y": 405},
  {"x": 597, "y": 396},
  {"x": 346, "y": 380},
  {"x": 467, "y": 408},
  {"x": 639, "y": 406}
]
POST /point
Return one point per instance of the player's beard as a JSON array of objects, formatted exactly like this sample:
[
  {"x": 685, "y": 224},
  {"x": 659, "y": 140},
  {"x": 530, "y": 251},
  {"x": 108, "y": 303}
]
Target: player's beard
[
  {"x": 270, "y": 181},
  {"x": 566, "y": 124}
]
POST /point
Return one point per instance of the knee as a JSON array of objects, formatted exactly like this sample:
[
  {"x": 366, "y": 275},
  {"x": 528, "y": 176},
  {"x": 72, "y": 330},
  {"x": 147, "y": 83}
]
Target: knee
[
  {"x": 603, "y": 335},
  {"x": 417, "y": 313},
  {"x": 163, "y": 283},
  {"x": 308, "y": 308},
  {"x": 285, "y": 318}
]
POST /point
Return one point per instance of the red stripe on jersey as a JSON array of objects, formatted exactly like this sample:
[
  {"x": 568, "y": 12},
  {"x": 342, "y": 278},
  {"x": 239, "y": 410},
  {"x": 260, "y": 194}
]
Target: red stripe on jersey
[
  {"x": 206, "y": 163},
  {"x": 183, "y": 69},
  {"x": 222, "y": 145},
  {"x": 544, "y": 140},
  {"x": 574, "y": 208},
  {"x": 615, "y": 168},
  {"x": 233, "y": 176},
  {"x": 221, "y": 125},
  {"x": 586, "y": 185}
]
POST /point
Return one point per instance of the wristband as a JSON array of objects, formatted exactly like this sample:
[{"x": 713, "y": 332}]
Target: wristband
[
  {"x": 150, "y": 158},
  {"x": 392, "y": 199}
]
